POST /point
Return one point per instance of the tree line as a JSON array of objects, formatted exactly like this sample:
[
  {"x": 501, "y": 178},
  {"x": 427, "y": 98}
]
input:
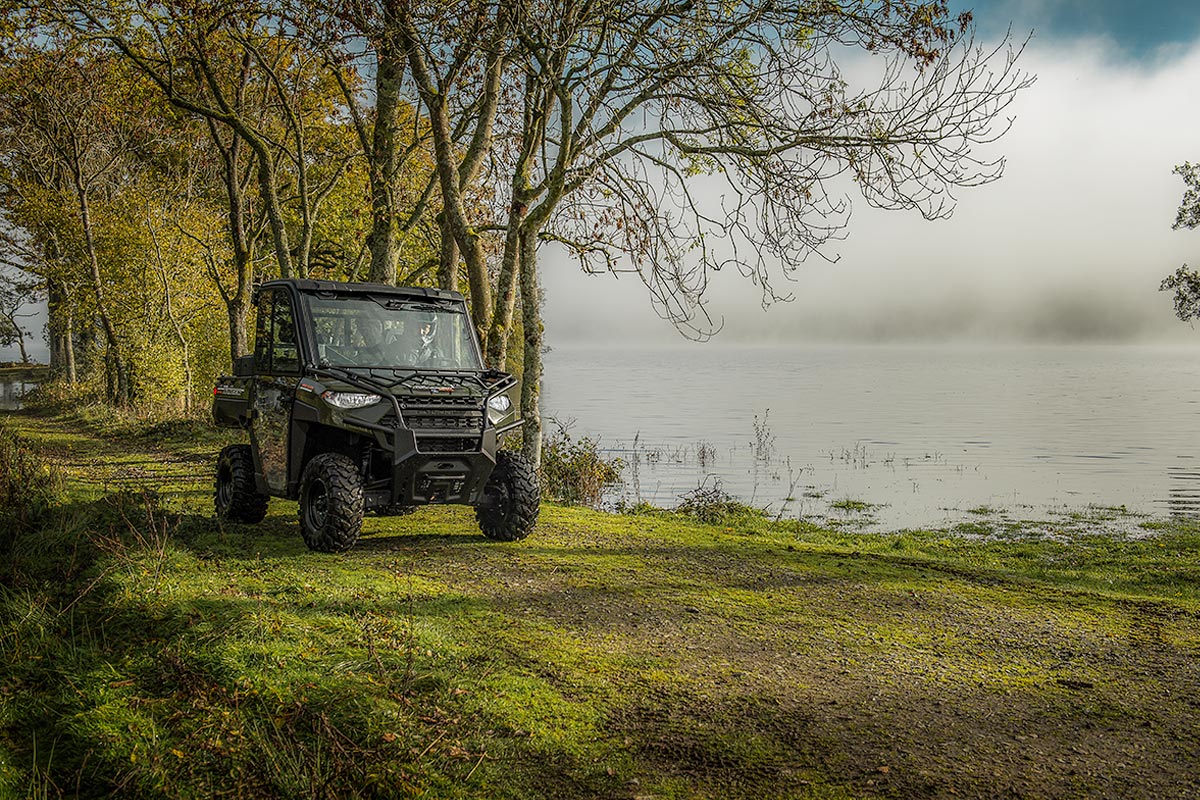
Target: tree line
[{"x": 160, "y": 158}]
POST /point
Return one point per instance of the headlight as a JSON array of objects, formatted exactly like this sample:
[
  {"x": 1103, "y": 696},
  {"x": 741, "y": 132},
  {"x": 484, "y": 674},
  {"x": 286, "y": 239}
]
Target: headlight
[
  {"x": 350, "y": 399},
  {"x": 498, "y": 407}
]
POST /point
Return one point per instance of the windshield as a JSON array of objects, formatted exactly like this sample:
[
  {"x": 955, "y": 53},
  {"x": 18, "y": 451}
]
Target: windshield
[{"x": 386, "y": 331}]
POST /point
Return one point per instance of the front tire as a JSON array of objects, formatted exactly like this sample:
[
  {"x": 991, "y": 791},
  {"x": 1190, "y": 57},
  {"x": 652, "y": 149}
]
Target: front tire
[
  {"x": 511, "y": 499},
  {"x": 331, "y": 503},
  {"x": 237, "y": 498}
]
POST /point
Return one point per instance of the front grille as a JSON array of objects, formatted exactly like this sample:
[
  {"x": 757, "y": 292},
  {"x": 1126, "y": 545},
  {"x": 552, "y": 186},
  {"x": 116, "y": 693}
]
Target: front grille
[
  {"x": 444, "y": 424},
  {"x": 428, "y": 422}
]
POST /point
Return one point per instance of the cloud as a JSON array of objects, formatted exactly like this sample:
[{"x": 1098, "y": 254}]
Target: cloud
[{"x": 1070, "y": 245}]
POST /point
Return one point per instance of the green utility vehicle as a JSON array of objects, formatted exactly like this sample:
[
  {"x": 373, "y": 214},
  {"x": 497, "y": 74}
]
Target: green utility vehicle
[{"x": 369, "y": 398}]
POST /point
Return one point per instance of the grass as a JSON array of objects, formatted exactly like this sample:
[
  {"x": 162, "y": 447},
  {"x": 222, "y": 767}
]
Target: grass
[
  {"x": 851, "y": 506},
  {"x": 147, "y": 651}
]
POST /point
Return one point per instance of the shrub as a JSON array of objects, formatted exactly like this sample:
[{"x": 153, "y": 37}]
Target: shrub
[
  {"x": 574, "y": 471},
  {"x": 28, "y": 486},
  {"x": 715, "y": 506},
  {"x": 56, "y": 395}
]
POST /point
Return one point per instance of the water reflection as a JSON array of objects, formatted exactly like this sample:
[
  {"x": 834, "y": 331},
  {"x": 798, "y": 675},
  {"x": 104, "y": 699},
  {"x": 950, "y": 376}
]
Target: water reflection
[{"x": 1183, "y": 491}]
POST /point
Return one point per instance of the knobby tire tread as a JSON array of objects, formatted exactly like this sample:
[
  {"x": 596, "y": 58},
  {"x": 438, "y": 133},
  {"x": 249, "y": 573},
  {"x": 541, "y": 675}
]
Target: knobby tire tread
[
  {"x": 516, "y": 519},
  {"x": 343, "y": 522},
  {"x": 246, "y": 504}
]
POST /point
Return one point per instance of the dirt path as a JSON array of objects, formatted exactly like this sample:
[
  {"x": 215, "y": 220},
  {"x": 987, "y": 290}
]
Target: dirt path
[{"x": 111, "y": 464}]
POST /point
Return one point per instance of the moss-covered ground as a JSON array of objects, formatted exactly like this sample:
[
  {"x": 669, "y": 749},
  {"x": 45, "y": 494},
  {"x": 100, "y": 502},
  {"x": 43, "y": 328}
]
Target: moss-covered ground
[{"x": 146, "y": 650}]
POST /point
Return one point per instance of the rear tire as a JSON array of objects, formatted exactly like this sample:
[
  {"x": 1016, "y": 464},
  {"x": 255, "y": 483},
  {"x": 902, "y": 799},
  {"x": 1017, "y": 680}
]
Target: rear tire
[
  {"x": 237, "y": 498},
  {"x": 331, "y": 503},
  {"x": 513, "y": 498}
]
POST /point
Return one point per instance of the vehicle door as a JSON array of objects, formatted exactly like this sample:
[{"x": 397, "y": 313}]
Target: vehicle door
[{"x": 277, "y": 371}]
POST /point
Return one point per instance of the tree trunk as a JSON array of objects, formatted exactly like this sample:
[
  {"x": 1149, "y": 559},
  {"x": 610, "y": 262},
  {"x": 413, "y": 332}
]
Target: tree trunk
[
  {"x": 448, "y": 259},
  {"x": 531, "y": 377},
  {"x": 533, "y": 135},
  {"x": 304, "y": 248},
  {"x": 56, "y": 351},
  {"x": 237, "y": 301},
  {"x": 383, "y": 243},
  {"x": 270, "y": 196},
  {"x": 383, "y": 158},
  {"x": 239, "y": 312},
  {"x": 455, "y": 217},
  {"x": 450, "y": 182},
  {"x": 118, "y": 382},
  {"x": 69, "y": 343},
  {"x": 506, "y": 284},
  {"x": 55, "y": 305}
]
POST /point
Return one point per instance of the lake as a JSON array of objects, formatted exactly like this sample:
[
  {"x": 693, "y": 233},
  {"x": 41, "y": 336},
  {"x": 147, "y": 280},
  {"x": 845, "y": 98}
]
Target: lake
[
  {"x": 11, "y": 392},
  {"x": 891, "y": 437}
]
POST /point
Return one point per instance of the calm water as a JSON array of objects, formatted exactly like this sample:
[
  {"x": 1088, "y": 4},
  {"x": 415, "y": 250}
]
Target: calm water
[
  {"x": 927, "y": 436},
  {"x": 11, "y": 393}
]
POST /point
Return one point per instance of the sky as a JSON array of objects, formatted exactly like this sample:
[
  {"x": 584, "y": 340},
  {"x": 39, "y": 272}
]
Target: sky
[{"x": 1069, "y": 246}]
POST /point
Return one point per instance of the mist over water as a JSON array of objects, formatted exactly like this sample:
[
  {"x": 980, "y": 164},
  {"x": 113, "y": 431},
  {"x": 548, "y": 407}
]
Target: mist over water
[
  {"x": 1069, "y": 246},
  {"x": 1017, "y": 357}
]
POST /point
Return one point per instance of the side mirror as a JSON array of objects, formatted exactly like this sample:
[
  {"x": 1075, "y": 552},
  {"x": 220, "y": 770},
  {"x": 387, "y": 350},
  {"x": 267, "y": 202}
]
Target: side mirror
[{"x": 243, "y": 367}]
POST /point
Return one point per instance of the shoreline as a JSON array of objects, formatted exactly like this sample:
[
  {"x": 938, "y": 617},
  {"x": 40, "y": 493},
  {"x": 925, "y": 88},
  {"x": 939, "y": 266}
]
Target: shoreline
[{"x": 24, "y": 372}]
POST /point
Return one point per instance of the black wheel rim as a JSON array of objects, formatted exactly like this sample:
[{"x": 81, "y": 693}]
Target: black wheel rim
[{"x": 317, "y": 508}]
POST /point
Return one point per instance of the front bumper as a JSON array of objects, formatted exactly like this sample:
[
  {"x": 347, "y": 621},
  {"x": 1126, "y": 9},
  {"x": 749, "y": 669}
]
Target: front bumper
[{"x": 420, "y": 478}]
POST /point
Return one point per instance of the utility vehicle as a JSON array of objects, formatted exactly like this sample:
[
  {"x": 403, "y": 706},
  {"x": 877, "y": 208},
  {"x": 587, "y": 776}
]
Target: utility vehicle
[{"x": 369, "y": 398}]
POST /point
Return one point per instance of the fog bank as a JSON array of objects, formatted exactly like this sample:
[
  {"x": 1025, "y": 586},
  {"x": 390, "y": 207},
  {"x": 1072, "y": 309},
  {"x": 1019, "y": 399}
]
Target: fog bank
[{"x": 1070, "y": 245}]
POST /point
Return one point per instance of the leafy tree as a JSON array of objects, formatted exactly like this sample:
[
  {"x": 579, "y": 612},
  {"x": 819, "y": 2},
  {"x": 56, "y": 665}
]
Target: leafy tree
[
  {"x": 130, "y": 274},
  {"x": 288, "y": 115},
  {"x": 364, "y": 40},
  {"x": 442, "y": 68},
  {"x": 674, "y": 138},
  {"x": 448, "y": 60},
  {"x": 1185, "y": 282},
  {"x": 670, "y": 138},
  {"x": 81, "y": 121}
]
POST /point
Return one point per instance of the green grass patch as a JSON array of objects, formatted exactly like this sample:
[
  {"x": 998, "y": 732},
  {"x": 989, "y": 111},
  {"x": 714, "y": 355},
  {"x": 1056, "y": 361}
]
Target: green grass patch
[
  {"x": 146, "y": 650},
  {"x": 849, "y": 505}
]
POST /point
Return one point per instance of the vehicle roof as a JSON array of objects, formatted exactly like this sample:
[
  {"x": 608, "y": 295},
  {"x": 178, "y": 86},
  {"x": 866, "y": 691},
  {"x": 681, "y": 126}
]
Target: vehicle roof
[{"x": 309, "y": 285}]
